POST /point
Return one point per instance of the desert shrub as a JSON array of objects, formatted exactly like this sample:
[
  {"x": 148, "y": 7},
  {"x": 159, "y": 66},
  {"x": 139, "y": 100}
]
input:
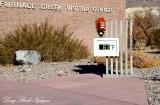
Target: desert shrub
[
  {"x": 140, "y": 60},
  {"x": 54, "y": 43},
  {"x": 99, "y": 60},
  {"x": 144, "y": 22},
  {"x": 155, "y": 38}
]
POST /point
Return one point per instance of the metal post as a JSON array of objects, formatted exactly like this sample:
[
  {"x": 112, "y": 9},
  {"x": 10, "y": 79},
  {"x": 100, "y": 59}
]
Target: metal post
[
  {"x": 111, "y": 57},
  {"x": 131, "y": 43},
  {"x": 116, "y": 35},
  {"x": 126, "y": 54},
  {"x": 106, "y": 56},
  {"x": 121, "y": 49}
]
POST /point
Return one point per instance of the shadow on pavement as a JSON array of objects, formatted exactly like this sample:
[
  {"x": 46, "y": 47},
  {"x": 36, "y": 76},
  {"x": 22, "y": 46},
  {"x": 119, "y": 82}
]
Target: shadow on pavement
[{"x": 94, "y": 69}]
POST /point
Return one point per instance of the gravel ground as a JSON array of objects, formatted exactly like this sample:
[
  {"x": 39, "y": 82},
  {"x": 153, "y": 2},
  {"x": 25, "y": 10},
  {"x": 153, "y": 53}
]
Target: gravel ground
[
  {"x": 42, "y": 71},
  {"x": 151, "y": 78},
  {"x": 25, "y": 73}
]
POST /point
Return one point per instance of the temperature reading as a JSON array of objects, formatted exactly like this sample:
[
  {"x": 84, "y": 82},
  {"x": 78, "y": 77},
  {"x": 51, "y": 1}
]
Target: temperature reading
[{"x": 104, "y": 47}]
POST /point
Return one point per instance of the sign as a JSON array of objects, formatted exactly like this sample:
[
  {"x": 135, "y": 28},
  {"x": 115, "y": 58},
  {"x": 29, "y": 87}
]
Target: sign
[
  {"x": 101, "y": 26},
  {"x": 106, "y": 46},
  {"x": 52, "y": 7}
]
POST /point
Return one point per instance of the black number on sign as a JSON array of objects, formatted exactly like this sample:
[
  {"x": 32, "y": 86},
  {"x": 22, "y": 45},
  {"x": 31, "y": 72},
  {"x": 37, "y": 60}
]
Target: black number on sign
[{"x": 104, "y": 47}]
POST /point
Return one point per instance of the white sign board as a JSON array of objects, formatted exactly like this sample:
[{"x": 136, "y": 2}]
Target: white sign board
[{"x": 106, "y": 46}]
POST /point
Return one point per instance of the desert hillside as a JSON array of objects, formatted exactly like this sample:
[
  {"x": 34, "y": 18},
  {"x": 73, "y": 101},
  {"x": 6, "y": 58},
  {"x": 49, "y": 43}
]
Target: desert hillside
[{"x": 143, "y": 3}]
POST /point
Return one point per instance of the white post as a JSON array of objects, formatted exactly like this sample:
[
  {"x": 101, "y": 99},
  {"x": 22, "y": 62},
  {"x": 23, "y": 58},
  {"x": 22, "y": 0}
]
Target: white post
[
  {"x": 106, "y": 56},
  {"x": 111, "y": 57},
  {"x": 116, "y": 35},
  {"x": 121, "y": 50},
  {"x": 126, "y": 54},
  {"x": 131, "y": 43}
]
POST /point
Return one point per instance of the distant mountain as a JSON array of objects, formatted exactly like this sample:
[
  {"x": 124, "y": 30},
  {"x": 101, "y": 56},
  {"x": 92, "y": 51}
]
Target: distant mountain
[{"x": 143, "y": 3}]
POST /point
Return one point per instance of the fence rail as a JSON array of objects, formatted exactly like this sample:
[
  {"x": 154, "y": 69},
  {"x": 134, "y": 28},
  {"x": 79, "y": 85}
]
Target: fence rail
[{"x": 119, "y": 65}]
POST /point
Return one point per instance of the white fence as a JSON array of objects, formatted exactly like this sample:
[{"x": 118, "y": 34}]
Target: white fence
[{"x": 118, "y": 66}]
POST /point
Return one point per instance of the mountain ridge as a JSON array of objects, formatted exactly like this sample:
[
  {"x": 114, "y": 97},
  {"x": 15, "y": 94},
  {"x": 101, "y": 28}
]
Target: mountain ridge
[{"x": 142, "y": 3}]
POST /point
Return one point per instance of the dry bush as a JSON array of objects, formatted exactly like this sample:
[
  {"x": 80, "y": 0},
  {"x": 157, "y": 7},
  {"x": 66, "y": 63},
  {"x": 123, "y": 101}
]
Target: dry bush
[
  {"x": 99, "y": 60},
  {"x": 140, "y": 60},
  {"x": 144, "y": 22},
  {"x": 155, "y": 38},
  {"x": 54, "y": 43}
]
